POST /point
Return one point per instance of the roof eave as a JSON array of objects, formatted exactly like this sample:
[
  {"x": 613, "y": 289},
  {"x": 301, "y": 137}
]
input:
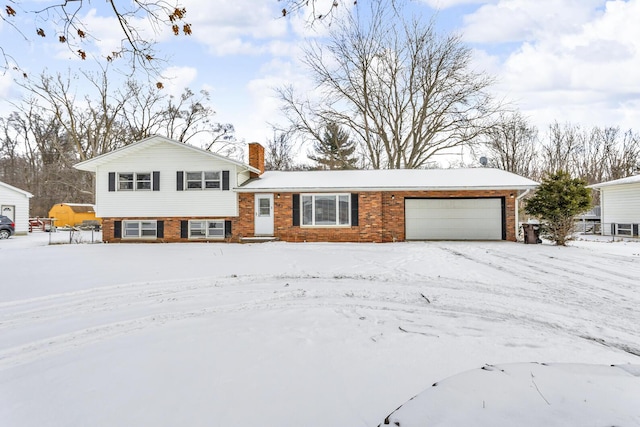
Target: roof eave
[
  {"x": 386, "y": 189},
  {"x": 91, "y": 165}
]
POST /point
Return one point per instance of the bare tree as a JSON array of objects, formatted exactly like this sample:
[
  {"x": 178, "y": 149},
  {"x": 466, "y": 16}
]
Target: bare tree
[
  {"x": 65, "y": 19},
  {"x": 402, "y": 90},
  {"x": 279, "y": 153},
  {"x": 91, "y": 123},
  {"x": 41, "y": 160},
  {"x": 559, "y": 151},
  {"x": 511, "y": 145},
  {"x": 318, "y": 12},
  {"x": 54, "y": 128},
  {"x": 622, "y": 153}
]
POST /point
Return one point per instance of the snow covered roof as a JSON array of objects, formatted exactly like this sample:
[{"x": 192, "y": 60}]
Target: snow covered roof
[
  {"x": 16, "y": 189},
  {"x": 90, "y": 165},
  {"x": 622, "y": 181},
  {"x": 390, "y": 179}
]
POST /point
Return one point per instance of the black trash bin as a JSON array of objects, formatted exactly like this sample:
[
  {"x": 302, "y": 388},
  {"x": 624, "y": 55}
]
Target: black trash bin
[{"x": 531, "y": 233}]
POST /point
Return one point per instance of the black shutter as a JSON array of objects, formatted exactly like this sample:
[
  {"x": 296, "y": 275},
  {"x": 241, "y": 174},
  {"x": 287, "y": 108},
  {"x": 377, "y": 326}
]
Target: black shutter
[
  {"x": 184, "y": 229},
  {"x": 160, "y": 229},
  {"x": 296, "y": 209},
  {"x": 180, "y": 181},
  {"x": 635, "y": 229},
  {"x": 117, "y": 229},
  {"x": 112, "y": 181},
  {"x": 156, "y": 181},
  {"x": 225, "y": 180},
  {"x": 227, "y": 228},
  {"x": 354, "y": 209}
]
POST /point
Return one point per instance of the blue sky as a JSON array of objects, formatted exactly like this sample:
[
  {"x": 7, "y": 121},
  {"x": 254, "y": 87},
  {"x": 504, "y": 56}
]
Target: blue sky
[{"x": 567, "y": 60}]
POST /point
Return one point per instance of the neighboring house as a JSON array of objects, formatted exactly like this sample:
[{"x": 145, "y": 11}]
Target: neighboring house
[
  {"x": 164, "y": 190},
  {"x": 72, "y": 214},
  {"x": 620, "y": 206},
  {"x": 14, "y": 203},
  {"x": 159, "y": 189}
]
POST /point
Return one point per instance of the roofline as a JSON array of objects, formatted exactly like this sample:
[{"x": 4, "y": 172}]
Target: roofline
[
  {"x": 85, "y": 164},
  {"x": 11, "y": 187},
  {"x": 612, "y": 184},
  {"x": 365, "y": 189}
]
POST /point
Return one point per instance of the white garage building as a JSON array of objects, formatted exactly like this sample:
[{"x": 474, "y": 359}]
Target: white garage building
[{"x": 14, "y": 203}]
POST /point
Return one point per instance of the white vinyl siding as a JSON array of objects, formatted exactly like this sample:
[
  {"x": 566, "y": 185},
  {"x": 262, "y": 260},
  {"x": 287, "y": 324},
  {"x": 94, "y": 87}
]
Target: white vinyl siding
[
  {"x": 168, "y": 159},
  {"x": 620, "y": 205},
  {"x": 453, "y": 219}
]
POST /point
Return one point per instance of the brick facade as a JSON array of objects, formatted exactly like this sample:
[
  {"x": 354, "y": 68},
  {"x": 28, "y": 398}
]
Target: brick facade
[
  {"x": 380, "y": 216},
  {"x": 171, "y": 230}
]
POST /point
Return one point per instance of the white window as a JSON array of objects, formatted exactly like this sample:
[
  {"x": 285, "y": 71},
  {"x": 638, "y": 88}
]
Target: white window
[
  {"x": 624, "y": 229},
  {"x": 130, "y": 181},
  {"x": 143, "y": 181},
  {"x": 206, "y": 229},
  {"x": 125, "y": 181},
  {"x": 208, "y": 180},
  {"x": 326, "y": 209},
  {"x": 140, "y": 229}
]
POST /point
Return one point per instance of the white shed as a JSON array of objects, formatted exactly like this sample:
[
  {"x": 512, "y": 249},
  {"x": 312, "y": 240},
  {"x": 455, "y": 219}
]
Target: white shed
[
  {"x": 620, "y": 206},
  {"x": 14, "y": 203}
]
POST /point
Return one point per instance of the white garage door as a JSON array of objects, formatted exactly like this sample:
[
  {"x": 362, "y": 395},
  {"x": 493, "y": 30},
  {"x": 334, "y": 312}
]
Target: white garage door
[{"x": 453, "y": 219}]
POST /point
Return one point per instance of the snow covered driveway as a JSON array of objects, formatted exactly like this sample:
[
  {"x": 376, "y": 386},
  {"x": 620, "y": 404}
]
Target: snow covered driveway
[{"x": 281, "y": 334}]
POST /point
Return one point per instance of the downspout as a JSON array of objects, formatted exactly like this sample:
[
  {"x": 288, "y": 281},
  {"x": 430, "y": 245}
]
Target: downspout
[
  {"x": 599, "y": 190},
  {"x": 517, "y": 207}
]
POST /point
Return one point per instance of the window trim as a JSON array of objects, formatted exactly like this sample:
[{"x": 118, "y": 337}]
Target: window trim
[
  {"x": 206, "y": 235},
  {"x": 313, "y": 210},
  {"x": 140, "y": 229},
  {"x": 135, "y": 181},
  {"x": 203, "y": 180}
]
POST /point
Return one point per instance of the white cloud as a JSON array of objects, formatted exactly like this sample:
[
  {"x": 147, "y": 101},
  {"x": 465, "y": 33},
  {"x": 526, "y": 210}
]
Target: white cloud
[
  {"x": 583, "y": 70},
  {"x": 445, "y": 4},
  {"x": 176, "y": 79},
  {"x": 238, "y": 27},
  {"x": 521, "y": 20}
]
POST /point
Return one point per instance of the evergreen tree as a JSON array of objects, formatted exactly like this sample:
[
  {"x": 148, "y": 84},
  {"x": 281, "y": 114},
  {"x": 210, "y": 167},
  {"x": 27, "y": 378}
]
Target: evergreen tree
[
  {"x": 557, "y": 201},
  {"x": 335, "y": 149}
]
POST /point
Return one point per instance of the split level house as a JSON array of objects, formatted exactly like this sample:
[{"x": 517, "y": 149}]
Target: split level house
[{"x": 162, "y": 190}]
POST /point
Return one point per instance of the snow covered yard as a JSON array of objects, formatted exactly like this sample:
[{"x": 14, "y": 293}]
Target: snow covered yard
[{"x": 321, "y": 334}]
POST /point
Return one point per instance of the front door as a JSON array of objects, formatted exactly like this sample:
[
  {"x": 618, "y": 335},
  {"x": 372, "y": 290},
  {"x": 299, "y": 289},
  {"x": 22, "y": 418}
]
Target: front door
[{"x": 264, "y": 215}]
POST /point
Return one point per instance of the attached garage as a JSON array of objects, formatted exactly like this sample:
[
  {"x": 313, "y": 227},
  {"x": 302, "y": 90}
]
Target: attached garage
[{"x": 455, "y": 219}]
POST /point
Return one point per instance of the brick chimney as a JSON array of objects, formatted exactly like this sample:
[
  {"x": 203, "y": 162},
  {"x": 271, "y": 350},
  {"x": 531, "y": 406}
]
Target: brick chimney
[{"x": 256, "y": 158}]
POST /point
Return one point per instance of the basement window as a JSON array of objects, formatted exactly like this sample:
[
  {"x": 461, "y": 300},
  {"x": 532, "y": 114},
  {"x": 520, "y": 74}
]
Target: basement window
[
  {"x": 206, "y": 229},
  {"x": 139, "y": 229},
  {"x": 624, "y": 229}
]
